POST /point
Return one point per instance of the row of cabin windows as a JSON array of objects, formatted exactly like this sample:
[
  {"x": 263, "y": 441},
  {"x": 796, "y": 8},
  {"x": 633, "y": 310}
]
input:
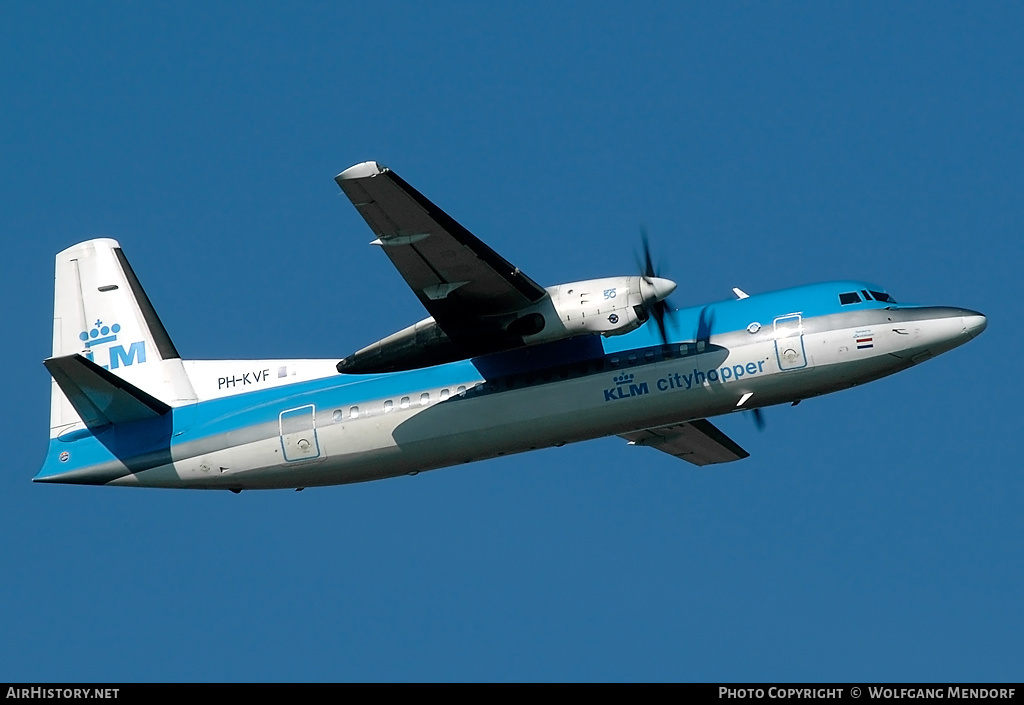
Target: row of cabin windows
[
  {"x": 852, "y": 297},
  {"x": 389, "y": 405}
]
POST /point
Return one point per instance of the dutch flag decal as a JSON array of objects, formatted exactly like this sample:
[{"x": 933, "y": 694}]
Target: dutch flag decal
[{"x": 864, "y": 343}]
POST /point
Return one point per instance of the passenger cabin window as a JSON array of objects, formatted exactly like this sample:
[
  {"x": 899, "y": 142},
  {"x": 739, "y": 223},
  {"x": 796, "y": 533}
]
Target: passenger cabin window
[
  {"x": 405, "y": 402},
  {"x": 444, "y": 394},
  {"x": 353, "y": 413},
  {"x": 388, "y": 406},
  {"x": 424, "y": 398},
  {"x": 850, "y": 297}
]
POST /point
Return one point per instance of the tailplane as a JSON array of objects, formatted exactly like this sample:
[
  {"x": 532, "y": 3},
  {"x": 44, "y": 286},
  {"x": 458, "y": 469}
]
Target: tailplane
[
  {"x": 100, "y": 397},
  {"x": 101, "y": 313}
]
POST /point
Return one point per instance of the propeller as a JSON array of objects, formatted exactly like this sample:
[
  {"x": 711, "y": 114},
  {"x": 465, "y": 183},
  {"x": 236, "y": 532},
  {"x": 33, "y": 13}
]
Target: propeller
[
  {"x": 705, "y": 324},
  {"x": 654, "y": 289},
  {"x": 758, "y": 416},
  {"x": 656, "y": 304}
]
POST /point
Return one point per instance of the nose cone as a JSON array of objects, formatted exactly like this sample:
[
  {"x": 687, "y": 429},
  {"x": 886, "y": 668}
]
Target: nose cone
[
  {"x": 656, "y": 288},
  {"x": 974, "y": 323}
]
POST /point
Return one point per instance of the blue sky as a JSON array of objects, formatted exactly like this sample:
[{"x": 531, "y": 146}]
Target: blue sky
[{"x": 873, "y": 535}]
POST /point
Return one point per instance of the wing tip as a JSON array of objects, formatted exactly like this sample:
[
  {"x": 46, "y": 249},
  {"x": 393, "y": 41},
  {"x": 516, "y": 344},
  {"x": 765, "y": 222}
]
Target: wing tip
[{"x": 361, "y": 171}]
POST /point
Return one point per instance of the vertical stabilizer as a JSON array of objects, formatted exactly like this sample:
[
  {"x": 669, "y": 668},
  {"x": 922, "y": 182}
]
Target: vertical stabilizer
[{"x": 101, "y": 312}]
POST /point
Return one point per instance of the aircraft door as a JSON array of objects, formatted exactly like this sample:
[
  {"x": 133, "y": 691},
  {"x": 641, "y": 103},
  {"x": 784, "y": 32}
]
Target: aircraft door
[
  {"x": 789, "y": 342},
  {"x": 298, "y": 434}
]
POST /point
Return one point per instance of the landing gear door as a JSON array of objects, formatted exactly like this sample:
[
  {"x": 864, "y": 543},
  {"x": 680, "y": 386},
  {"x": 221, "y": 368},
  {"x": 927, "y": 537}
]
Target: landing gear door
[
  {"x": 789, "y": 342},
  {"x": 298, "y": 434}
]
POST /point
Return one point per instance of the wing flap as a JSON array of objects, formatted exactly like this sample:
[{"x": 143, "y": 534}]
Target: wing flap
[
  {"x": 99, "y": 396},
  {"x": 699, "y": 442},
  {"x": 458, "y": 279}
]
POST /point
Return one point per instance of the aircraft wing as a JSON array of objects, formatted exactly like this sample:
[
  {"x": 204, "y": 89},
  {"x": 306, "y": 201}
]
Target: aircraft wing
[
  {"x": 467, "y": 287},
  {"x": 698, "y": 442}
]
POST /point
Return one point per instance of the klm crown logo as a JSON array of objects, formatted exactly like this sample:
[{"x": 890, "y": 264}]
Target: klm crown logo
[
  {"x": 92, "y": 337},
  {"x": 100, "y": 334},
  {"x": 624, "y": 387}
]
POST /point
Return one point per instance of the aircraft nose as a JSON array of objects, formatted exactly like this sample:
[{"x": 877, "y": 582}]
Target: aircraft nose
[
  {"x": 974, "y": 323},
  {"x": 656, "y": 288}
]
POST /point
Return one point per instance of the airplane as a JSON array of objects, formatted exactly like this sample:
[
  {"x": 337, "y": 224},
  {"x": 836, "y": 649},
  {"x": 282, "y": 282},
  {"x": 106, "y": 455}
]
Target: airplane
[{"x": 501, "y": 365}]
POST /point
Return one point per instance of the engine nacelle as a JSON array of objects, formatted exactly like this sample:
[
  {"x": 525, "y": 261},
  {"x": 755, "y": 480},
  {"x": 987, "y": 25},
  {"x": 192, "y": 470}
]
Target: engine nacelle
[
  {"x": 422, "y": 344},
  {"x": 608, "y": 306}
]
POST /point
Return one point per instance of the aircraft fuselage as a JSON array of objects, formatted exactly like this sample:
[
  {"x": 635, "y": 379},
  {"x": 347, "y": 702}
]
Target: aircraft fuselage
[{"x": 755, "y": 352}]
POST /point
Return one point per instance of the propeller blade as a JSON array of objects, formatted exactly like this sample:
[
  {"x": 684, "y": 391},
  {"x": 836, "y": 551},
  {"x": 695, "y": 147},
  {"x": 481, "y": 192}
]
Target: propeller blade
[
  {"x": 759, "y": 421},
  {"x": 657, "y": 289},
  {"x": 659, "y": 312},
  {"x": 648, "y": 268},
  {"x": 705, "y": 323}
]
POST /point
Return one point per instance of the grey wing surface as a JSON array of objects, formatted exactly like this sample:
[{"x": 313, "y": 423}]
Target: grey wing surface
[
  {"x": 469, "y": 289},
  {"x": 699, "y": 442}
]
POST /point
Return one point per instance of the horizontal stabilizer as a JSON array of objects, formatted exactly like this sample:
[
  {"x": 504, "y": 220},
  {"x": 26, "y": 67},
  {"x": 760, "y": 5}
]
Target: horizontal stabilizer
[
  {"x": 99, "y": 396},
  {"x": 698, "y": 442}
]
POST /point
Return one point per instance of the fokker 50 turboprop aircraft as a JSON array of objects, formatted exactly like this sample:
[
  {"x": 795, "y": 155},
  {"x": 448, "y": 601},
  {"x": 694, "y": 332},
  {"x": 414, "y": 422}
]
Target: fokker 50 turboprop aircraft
[{"x": 502, "y": 365}]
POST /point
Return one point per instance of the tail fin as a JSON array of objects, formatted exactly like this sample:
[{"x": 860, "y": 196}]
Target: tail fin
[{"x": 101, "y": 312}]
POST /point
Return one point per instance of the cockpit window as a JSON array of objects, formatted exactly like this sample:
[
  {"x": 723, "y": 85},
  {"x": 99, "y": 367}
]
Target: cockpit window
[
  {"x": 850, "y": 297},
  {"x": 882, "y": 296}
]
